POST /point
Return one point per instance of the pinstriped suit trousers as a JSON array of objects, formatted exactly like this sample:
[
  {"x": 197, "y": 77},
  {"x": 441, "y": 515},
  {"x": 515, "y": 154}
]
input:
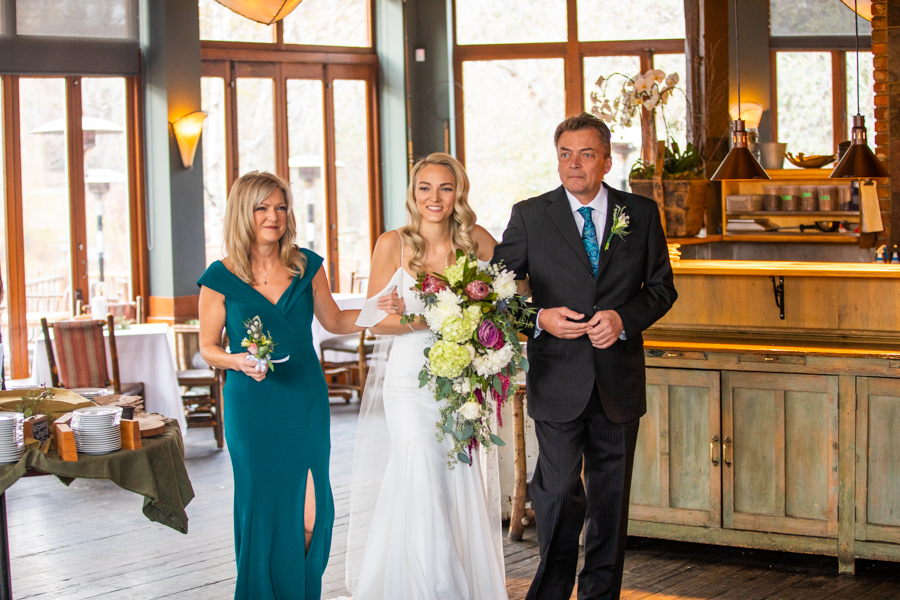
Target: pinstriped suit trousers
[{"x": 561, "y": 503}]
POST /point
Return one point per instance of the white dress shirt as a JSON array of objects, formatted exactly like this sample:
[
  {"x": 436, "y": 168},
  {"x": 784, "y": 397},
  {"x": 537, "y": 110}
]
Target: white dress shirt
[
  {"x": 598, "y": 215},
  {"x": 600, "y": 204}
]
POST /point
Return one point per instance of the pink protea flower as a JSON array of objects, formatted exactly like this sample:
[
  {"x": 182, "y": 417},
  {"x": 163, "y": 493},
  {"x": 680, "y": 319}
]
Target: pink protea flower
[
  {"x": 433, "y": 285},
  {"x": 478, "y": 290}
]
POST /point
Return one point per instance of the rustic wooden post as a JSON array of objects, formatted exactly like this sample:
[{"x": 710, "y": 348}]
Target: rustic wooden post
[{"x": 517, "y": 512}]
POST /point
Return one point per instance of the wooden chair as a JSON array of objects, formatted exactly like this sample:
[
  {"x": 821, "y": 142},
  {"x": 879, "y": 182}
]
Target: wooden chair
[
  {"x": 133, "y": 311},
  {"x": 201, "y": 388},
  {"x": 358, "y": 283},
  {"x": 346, "y": 377},
  {"x": 79, "y": 360}
]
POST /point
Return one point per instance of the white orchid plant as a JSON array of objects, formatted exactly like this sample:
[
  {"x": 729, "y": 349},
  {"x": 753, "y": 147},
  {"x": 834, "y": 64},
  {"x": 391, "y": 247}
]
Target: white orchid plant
[{"x": 649, "y": 90}]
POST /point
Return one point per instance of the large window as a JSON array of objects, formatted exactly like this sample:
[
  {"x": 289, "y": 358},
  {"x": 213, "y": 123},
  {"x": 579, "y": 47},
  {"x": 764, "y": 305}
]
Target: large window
[
  {"x": 814, "y": 64},
  {"x": 309, "y": 116},
  {"x": 522, "y": 76},
  {"x": 71, "y": 216}
]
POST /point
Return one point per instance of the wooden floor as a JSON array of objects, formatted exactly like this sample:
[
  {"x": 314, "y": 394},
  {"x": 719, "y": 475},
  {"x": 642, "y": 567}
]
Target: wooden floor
[{"x": 92, "y": 541}]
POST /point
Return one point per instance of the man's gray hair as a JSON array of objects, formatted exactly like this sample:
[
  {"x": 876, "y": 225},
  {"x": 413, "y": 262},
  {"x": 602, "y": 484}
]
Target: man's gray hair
[{"x": 584, "y": 121}]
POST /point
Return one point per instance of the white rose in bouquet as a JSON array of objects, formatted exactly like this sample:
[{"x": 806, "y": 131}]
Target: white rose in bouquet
[{"x": 470, "y": 410}]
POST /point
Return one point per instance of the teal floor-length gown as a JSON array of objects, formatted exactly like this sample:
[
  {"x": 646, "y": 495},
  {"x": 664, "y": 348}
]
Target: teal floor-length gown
[{"x": 277, "y": 431}]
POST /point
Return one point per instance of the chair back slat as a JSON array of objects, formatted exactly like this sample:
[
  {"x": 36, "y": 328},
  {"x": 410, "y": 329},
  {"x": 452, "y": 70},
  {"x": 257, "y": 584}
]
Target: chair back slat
[{"x": 80, "y": 353}]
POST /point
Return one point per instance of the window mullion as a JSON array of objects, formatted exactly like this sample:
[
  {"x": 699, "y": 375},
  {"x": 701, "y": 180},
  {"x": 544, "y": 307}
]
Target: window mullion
[
  {"x": 15, "y": 236},
  {"x": 331, "y": 207},
  {"x": 282, "y": 149},
  {"x": 77, "y": 214},
  {"x": 839, "y": 96},
  {"x": 574, "y": 71}
]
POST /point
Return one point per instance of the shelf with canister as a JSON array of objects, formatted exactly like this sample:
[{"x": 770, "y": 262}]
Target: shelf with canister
[{"x": 801, "y": 205}]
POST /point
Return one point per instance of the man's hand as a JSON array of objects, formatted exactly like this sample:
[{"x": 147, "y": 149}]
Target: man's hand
[
  {"x": 560, "y": 322},
  {"x": 605, "y": 328}
]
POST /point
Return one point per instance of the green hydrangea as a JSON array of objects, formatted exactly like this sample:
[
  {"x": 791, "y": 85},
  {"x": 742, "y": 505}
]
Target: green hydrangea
[
  {"x": 460, "y": 329},
  {"x": 454, "y": 274},
  {"x": 448, "y": 359}
]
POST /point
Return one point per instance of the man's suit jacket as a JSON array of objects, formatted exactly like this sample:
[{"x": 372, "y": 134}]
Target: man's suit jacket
[{"x": 635, "y": 279}]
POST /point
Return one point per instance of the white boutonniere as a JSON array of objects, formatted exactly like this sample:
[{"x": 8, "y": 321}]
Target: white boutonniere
[{"x": 619, "y": 225}]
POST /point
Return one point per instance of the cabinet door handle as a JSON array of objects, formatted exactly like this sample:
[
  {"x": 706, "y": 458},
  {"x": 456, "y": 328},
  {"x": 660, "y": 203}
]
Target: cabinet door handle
[
  {"x": 726, "y": 447},
  {"x": 712, "y": 450}
]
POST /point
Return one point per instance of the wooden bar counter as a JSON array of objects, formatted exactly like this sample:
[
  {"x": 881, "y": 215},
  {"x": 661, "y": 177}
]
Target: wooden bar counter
[{"x": 773, "y": 433}]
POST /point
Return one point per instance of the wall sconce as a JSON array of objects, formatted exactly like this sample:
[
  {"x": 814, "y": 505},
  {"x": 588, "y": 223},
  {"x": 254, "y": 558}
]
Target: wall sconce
[
  {"x": 187, "y": 131},
  {"x": 751, "y": 112}
]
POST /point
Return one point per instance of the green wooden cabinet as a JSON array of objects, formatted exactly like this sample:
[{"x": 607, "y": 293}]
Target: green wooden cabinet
[
  {"x": 780, "y": 452},
  {"x": 677, "y": 464},
  {"x": 878, "y": 460}
]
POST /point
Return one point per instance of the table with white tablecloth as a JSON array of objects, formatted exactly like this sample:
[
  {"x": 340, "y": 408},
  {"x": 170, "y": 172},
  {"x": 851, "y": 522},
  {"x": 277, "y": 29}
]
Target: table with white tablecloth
[
  {"x": 344, "y": 302},
  {"x": 145, "y": 356}
]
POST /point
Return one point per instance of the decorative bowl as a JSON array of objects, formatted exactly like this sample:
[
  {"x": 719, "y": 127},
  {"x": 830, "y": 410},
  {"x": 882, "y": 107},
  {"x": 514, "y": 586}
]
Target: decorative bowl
[{"x": 814, "y": 161}]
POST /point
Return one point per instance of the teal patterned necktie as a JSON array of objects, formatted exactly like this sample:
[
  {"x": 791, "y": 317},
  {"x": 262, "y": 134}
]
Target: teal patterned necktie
[{"x": 589, "y": 238}]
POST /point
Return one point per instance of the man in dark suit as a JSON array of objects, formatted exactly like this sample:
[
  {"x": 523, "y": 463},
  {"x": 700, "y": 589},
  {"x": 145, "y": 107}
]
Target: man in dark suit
[{"x": 597, "y": 284}]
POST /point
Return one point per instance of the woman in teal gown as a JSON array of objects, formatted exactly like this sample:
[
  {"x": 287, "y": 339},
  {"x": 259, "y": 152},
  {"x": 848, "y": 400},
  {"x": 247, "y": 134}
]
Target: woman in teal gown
[{"x": 277, "y": 420}]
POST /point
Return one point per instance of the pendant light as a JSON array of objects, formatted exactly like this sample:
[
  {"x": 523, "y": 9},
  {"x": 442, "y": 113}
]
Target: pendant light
[
  {"x": 267, "y": 12},
  {"x": 864, "y": 9},
  {"x": 740, "y": 162},
  {"x": 859, "y": 162}
]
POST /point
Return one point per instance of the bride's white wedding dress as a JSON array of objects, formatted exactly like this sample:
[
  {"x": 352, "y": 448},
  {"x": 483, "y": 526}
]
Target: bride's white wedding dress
[{"x": 426, "y": 532}]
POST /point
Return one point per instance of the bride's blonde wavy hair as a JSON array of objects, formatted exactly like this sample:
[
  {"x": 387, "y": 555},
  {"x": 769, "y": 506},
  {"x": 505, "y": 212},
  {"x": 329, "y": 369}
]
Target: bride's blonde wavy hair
[
  {"x": 246, "y": 195},
  {"x": 462, "y": 221}
]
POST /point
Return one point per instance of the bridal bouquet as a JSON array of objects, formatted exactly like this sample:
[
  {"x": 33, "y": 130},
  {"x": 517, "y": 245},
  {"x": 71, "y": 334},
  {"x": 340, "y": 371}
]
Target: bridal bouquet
[
  {"x": 259, "y": 345},
  {"x": 476, "y": 317}
]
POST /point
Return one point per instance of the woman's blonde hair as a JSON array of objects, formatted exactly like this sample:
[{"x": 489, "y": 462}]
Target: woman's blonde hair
[
  {"x": 462, "y": 221},
  {"x": 246, "y": 195}
]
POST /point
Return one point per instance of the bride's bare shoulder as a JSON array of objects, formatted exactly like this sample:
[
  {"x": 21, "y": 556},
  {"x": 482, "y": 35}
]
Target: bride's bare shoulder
[{"x": 387, "y": 247}]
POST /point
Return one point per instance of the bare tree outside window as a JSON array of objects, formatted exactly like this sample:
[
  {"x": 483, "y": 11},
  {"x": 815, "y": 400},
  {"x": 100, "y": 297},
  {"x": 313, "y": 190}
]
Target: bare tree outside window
[
  {"x": 490, "y": 22},
  {"x": 221, "y": 24},
  {"x": 814, "y": 17},
  {"x": 805, "y": 101},
  {"x": 316, "y": 22},
  {"x": 212, "y": 102},
  {"x": 608, "y": 20},
  {"x": 512, "y": 108}
]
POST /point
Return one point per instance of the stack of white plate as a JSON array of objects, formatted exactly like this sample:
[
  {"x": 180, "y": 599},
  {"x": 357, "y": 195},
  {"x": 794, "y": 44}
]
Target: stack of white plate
[
  {"x": 90, "y": 393},
  {"x": 12, "y": 437},
  {"x": 96, "y": 429}
]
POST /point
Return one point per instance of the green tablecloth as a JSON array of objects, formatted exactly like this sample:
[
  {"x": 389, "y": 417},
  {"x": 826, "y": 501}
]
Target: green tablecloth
[{"x": 156, "y": 472}]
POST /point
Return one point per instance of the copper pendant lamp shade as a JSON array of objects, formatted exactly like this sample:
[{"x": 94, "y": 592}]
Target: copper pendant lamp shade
[
  {"x": 863, "y": 8},
  {"x": 740, "y": 162},
  {"x": 859, "y": 162},
  {"x": 261, "y": 11}
]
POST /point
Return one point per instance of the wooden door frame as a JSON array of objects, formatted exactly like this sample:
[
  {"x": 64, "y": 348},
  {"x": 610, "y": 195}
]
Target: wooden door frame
[
  {"x": 12, "y": 167},
  {"x": 262, "y": 64}
]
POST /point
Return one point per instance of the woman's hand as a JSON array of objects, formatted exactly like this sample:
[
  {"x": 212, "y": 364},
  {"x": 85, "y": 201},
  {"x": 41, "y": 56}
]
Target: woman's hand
[
  {"x": 248, "y": 367},
  {"x": 392, "y": 303}
]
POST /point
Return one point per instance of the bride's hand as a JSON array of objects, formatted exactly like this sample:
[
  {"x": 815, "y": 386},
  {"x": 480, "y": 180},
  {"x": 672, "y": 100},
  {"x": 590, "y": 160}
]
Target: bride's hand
[{"x": 392, "y": 304}]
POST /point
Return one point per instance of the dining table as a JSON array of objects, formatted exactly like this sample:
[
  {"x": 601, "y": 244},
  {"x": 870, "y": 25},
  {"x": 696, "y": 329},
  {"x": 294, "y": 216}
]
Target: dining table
[
  {"x": 145, "y": 356},
  {"x": 319, "y": 334}
]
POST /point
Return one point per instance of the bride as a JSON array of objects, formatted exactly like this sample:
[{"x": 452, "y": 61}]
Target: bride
[{"x": 419, "y": 530}]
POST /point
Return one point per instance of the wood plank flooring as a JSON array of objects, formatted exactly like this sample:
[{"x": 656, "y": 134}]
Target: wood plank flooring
[{"x": 92, "y": 541}]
